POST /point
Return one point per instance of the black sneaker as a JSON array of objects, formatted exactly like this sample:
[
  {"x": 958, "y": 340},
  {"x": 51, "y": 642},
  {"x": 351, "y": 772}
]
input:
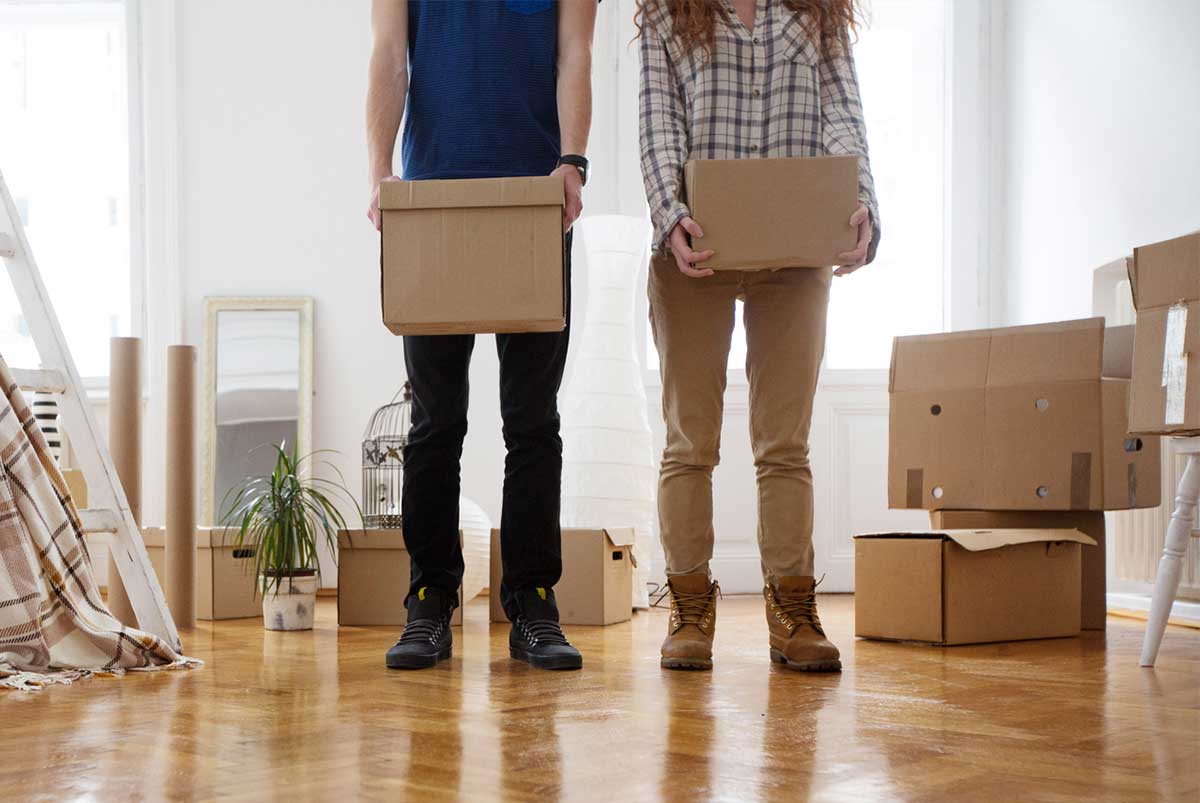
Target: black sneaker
[
  {"x": 426, "y": 638},
  {"x": 536, "y": 638}
]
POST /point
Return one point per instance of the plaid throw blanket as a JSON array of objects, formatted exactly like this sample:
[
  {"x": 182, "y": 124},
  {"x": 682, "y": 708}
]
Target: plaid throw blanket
[{"x": 54, "y": 627}]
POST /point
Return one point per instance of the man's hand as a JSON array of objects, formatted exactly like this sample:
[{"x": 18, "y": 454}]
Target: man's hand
[
  {"x": 373, "y": 208},
  {"x": 685, "y": 257},
  {"x": 572, "y": 194},
  {"x": 853, "y": 260}
]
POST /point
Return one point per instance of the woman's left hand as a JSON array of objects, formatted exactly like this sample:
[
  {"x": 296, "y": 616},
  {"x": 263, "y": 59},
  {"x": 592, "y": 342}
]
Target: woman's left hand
[{"x": 853, "y": 260}]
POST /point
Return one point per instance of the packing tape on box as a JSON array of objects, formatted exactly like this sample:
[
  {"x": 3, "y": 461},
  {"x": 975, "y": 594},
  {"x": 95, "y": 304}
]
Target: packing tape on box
[
  {"x": 1131, "y": 481},
  {"x": 1081, "y": 480},
  {"x": 1174, "y": 370},
  {"x": 915, "y": 492}
]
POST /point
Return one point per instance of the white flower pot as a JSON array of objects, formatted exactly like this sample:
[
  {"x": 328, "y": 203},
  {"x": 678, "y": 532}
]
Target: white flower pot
[{"x": 291, "y": 605}]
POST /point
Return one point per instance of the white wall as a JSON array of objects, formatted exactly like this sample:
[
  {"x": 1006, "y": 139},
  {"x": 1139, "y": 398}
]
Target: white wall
[{"x": 1096, "y": 144}]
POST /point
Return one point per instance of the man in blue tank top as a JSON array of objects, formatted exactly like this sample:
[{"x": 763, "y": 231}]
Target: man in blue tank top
[{"x": 486, "y": 88}]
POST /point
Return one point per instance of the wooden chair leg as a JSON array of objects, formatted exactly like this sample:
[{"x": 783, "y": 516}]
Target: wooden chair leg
[{"x": 1166, "y": 584}]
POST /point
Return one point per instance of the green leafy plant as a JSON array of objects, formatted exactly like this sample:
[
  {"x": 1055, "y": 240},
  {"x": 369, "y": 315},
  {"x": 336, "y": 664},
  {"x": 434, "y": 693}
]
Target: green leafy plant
[{"x": 282, "y": 515}]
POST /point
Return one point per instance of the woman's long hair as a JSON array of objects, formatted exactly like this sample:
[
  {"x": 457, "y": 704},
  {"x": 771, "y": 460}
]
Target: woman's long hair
[{"x": 693, "y": 22}]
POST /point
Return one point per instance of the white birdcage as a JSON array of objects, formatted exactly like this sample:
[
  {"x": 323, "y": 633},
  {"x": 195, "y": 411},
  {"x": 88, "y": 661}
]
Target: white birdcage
[{"x": 383, "y": 461}]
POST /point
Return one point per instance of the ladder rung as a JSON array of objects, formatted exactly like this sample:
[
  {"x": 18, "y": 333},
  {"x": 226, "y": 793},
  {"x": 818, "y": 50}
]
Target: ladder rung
[
  {"x": 99, "y": 520},
  {"x": 40, "y": 380},
  {"x": 8, "y": 246}
]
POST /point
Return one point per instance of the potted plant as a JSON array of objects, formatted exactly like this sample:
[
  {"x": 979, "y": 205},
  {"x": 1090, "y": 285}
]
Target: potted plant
[{"x": 281, "y": 516}]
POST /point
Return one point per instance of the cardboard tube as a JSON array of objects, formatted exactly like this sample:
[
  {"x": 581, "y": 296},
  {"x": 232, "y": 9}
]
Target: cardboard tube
[
  {"x": 125, "y": 446},
  {"x": 180, "y": 557}
]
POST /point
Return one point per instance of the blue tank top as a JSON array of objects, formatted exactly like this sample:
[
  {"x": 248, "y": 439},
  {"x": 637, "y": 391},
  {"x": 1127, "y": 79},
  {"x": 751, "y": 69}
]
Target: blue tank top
[{"x": 481, "y": 91}]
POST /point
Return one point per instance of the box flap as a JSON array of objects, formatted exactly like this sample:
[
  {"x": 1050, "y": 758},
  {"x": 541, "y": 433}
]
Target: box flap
[
  {"x": 1013, "y": 355},
  {"x": 981, "y": 540},
  {"x": 371, "y": 539},
  {"x": 937, "y": 535},
  {"x": 1046, "y": 352},
  {"x": 1118, "y": 352},
  {"x": 954, "y": 360},
  {"x": 1167, "y": 272},
  {"x": 474, "y": 192},
  {"x": 622, "y": 537}
]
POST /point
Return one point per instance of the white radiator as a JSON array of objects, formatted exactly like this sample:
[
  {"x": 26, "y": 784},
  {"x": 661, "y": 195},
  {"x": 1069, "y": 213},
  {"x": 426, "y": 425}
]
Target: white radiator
[{"x": 1135, "y": 537}]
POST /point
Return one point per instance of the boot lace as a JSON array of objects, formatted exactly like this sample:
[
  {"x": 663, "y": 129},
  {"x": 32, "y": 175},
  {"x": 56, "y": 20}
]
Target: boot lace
[
  {"x": 795, "y": 609},
  {"x": 692, "y": 609},
  {"x": 422, "y": 631},
  {"x": 542, "y": 631}
]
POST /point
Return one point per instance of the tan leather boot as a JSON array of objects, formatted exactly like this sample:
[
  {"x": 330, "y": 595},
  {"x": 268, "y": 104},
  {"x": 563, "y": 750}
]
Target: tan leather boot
[
  {"x": 797, "y": 639},
  {"x": 688, "y": 644}
]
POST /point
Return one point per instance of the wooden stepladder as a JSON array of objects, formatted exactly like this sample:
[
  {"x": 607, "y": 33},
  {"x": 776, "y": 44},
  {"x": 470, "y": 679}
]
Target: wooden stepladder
[{"x": 58, "y": 376}]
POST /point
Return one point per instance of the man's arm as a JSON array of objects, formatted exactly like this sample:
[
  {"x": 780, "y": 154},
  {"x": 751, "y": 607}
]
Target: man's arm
[
  {"x": 387, "y": 88},
  {"x": 576, "y": 23}
]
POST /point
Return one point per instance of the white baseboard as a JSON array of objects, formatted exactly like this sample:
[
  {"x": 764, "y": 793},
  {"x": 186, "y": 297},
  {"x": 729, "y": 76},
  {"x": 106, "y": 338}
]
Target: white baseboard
[{"x": 1183, "y": 611}]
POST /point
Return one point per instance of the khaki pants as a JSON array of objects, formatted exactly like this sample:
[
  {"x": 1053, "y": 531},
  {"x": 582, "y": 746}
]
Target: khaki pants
[{"x": 692, "y": 321}]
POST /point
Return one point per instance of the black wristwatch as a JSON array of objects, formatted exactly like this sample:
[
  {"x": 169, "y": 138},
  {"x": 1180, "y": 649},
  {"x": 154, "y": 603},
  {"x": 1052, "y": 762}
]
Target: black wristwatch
[{"x": 580, "y": 163}]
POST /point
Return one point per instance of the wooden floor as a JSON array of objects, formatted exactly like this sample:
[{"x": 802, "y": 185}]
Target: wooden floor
[{"x": 316, "y": 716}]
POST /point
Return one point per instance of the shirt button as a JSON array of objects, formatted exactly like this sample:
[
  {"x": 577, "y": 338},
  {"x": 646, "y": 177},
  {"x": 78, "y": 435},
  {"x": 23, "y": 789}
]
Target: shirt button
[
  {"x": 754, "y": 147},
  {"x": 756, "y": 40},
  {"x": 756, "y": 93}
]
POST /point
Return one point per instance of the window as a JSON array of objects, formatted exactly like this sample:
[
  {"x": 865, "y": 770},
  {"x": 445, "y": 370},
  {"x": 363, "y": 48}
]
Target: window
[
  {"x": 902, "y": 73},
  {"x": 65, "y": 153}
]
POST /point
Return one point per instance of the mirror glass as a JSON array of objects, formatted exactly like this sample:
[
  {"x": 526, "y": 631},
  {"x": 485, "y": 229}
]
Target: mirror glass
[{"x": 258, "y": 379}]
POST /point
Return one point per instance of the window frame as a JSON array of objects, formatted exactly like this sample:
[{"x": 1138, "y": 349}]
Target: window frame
[{"x": 96, "y": 386}]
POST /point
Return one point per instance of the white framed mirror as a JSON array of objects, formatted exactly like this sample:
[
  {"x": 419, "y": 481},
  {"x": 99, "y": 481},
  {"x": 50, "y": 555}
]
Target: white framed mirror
[{"x": 258, "y": 388}]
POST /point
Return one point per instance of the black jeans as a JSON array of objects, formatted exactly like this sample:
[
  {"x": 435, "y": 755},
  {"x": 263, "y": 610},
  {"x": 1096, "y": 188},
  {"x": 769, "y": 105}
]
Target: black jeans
[{"x": 531, "y": 370}]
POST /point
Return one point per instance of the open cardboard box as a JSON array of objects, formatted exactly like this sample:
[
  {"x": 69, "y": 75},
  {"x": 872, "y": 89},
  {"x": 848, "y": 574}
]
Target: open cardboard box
[
  {"x": 1020, "y": 418},
  {"x": 473, "y": 255},
  {"x": 1165, "y": 397},
  {"x": 967, "y": 586},
  {"x": 773, "y": 213},
  {"x": 596, "y": 587},
  {"x": 1093, "y": 597}
]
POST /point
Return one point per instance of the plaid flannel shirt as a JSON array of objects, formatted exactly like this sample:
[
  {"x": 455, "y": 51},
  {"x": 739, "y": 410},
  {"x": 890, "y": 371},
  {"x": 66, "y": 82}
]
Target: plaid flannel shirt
[{"x": 767, "y": 93}]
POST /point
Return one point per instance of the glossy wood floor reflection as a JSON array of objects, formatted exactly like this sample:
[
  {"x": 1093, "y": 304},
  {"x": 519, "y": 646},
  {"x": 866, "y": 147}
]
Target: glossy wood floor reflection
[{"x": 316, "y": 716}]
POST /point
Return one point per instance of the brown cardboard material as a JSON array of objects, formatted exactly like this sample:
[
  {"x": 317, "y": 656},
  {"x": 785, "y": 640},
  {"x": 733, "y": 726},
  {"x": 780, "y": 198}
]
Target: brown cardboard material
[
  {"x": 475, "y": 255},
  {"x": 224, "y": 580},
  {"x": 597, "y": 577},
  {"x": 1165, "y": 278},
  {"x": 373, "y": 579},
  {"x": 125, "y": 446},
  {"x": 76, "y": 486},
  {"x": 1093, "y": 602},
  {"x": 773, "y": 213},
  {"x": 181, "y": 484},
  {"x": 1020, "y": 418},
  {"x": 951, "y": 587}
]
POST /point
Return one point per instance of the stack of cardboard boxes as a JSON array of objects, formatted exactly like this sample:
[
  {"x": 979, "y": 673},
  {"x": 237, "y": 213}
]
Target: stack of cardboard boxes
[{"x": 1016, "y": 440}]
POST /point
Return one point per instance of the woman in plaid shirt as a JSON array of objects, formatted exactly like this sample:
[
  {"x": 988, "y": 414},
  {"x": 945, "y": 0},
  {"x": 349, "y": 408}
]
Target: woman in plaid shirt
[{"x": 743, "y": 79}]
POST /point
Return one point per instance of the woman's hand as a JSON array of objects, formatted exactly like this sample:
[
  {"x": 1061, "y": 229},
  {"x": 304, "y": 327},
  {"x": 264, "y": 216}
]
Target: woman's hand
[
  {"x": 853, "y": 260},
  {"x": 685, "y": 257}
]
